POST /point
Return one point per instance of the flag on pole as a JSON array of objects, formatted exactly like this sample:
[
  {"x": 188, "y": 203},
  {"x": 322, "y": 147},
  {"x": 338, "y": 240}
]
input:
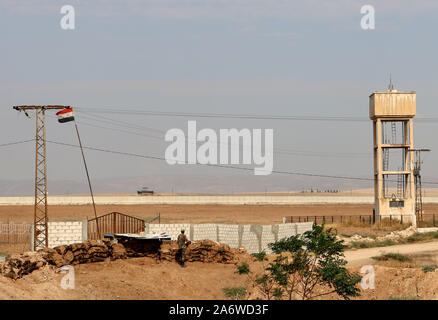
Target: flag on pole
[{"x": 65, "y": 115}]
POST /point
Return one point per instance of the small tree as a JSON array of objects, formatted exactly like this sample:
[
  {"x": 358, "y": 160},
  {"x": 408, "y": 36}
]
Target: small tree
[{"x": 308, "y": 266}]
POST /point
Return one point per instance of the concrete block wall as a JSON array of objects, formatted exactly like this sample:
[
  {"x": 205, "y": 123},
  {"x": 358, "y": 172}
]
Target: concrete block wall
[
  {"x": 172, "y": 229},
  {"x": 66, "y": 232},
  {"x": 254, "y": 238},
  {"x": 251, "y": 238},
  {"x": 287, "y": 230},
  {"x": 303, "y": 227},
  {"x": 229, "y": 234},
  {"x": 204, "y": 231}
]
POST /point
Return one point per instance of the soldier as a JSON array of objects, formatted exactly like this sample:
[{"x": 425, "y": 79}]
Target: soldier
[{"x": 183, "y": 242}]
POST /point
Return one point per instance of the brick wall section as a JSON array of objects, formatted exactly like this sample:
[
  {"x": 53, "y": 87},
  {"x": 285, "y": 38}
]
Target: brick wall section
[
  {"x": 254, "y": 238},
  {"x": 250, "y": 239},
  {"x": 65, "y": 232},
  {"x": 229, "y": 234},
  {"x": 172, "y": 229},
  {"x": 204, "y": 231}
]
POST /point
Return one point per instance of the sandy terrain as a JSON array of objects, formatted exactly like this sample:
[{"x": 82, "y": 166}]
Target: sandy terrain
[
  {"x": 144, "y": 278},
  {"x": 363, "y": 256},
  {"x": 231, "y": 214}
]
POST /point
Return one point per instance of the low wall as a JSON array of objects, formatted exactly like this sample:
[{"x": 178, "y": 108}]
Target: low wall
[
  {"x": 66, "y": 232},
  {"x": 254, "y": 238},
  {"x": 224, "y": 200}
]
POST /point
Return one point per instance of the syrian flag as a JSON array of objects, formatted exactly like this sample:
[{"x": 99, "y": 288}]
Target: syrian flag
[{"x": 65, "y": 115}]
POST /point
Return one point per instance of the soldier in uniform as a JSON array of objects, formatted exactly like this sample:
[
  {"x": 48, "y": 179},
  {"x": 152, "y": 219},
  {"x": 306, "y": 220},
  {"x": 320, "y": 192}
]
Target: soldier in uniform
[{"x": 183, "y": 242}]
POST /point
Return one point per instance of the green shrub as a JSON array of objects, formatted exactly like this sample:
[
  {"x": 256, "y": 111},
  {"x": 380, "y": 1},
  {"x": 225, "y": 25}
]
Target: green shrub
[
  {"x": 392, "y": 256},
  {"x": 305, "y": 262},
  {"x": 428, "y": 268},
  {"x": 243, "y": 268},
  {"x": 416, "y": 237},
  {"x": 373, "y": 244},
  {"x": 260, "y": 256},
  {"x": 235, "y": 293}
]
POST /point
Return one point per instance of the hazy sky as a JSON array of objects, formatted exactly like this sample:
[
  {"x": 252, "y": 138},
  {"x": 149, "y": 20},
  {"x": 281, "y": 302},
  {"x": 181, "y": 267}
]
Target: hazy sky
[{"x": 277, "y": 57}]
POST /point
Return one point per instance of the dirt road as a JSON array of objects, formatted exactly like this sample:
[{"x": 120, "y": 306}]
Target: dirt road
[{"x": 361, "y": 257}]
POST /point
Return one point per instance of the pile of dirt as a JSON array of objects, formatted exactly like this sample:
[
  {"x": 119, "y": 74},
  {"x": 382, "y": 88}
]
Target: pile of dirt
[
  {"x": 202, "y": 251},
  {"x": 18, "y": 265}
]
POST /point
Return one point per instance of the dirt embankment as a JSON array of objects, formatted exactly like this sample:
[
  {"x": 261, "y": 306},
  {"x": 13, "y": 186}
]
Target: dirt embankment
[
  {"x": 211, "y": 268},
  {"x": 155, "y": 275},
  {"x": 147, "y": 278}
]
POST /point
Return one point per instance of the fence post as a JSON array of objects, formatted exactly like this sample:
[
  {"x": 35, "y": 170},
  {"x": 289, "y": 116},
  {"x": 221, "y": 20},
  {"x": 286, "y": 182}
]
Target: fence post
[
  {"x": 401, "y": 219},
  {"x": 85, "y": 229},
  {"x": 434, "y": 219}
]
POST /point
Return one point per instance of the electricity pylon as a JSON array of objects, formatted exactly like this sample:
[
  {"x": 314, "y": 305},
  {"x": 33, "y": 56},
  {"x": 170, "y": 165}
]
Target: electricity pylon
[
  {"x": 40, "y": 235},
  {"x": 417, "y": 182}
]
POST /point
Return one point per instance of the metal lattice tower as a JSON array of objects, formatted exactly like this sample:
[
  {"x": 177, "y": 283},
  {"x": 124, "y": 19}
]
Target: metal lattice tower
[
  {"x": 40, "y": 235},
  {"x": 417, "y": 182},
  {"x": 40, "y": 209}
]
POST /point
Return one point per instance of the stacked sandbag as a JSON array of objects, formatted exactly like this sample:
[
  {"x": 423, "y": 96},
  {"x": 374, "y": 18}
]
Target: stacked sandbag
[
  {"x": 88, "y": 251},
  {"x": 202, "y": 251},
  {"x": 16, "y": 266}
]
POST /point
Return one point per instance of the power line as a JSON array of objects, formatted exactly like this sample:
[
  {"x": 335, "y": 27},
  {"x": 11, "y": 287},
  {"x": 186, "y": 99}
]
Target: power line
[
  {"x": 16, "y": 142},
  {"x": 224, "y": 166},
  {"x": 279, "y": 151},
  {"x": 237, "y": 116},
  {"x": 218, "y": 115},
  {"x": 117, "y": 129}
]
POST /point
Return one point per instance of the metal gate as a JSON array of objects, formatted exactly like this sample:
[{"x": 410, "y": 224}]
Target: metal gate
[{"x": 114, "y": 222}]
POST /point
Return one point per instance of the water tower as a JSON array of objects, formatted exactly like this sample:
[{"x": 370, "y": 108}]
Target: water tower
[{"x": 392, "y": 113}]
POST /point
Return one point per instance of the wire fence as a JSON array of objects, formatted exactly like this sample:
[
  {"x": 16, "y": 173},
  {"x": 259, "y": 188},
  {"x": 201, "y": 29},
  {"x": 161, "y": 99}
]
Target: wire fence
[
  {"x": 429, "y": 220},
  {"x": 15, "y": 233}
]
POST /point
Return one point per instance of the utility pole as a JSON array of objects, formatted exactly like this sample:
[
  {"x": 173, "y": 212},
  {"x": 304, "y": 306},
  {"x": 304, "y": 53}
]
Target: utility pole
[
  {"x": 417, "y": 181},
  {"x": 40, "y": 237}
]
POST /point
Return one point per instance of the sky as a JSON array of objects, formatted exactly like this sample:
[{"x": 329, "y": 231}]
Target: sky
[{"x": 264, "y": 57}]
